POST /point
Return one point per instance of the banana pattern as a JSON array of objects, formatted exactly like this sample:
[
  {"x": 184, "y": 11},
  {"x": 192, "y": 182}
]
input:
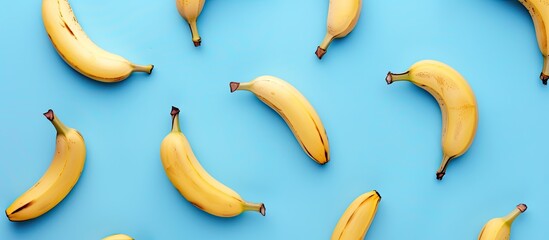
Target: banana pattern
[
  {"x": 190, "y": 10},
  {"x": 59, "y": 179},
  {"x": 118, "y": 237},
  {"x": 457, "y": 103},
  {"x": 74, "y": 46},
  {"x": 194, "y": 183},
  {"x": 342, "y": 18},
  {"x": 294, "y": 108},
  {"x": 500, "y": 228},
  {"x": 356, "y": 220},
  {"x": 539, "y": 10}
]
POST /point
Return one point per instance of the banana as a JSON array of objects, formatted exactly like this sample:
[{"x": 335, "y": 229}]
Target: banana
[
  {"x": 356, "y": 220},
  {"x": 500, "y": 228},
  {"x": 59, "y": 179},
  {"x": 457, "y": 104},
  {"x": 342, "y": 18},
  {"x": 74, "y": 46},
  {"x": 190, "y": 10},
  {"x": 118, "y": 237},
  {"x": 294, "y": 108},
  {"x": 539, "y": 10},
  {"x": 194, "y": 183}
]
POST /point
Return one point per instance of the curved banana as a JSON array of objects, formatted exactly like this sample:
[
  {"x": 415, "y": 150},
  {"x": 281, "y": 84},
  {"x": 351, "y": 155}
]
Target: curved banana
[
  {"x": 500, "y": 228},
  {"x": 539, "y": 10},
  {"x": 356, "y": 220},
  {"x": 294, "y": 108},
  {"x": 342, "y": 18},
  {"x": 59, "y": 179},
  {"x": 194, "y": 183},
  {"x": 190, "y": 10},
  {"x": 118, "y": 237},
  {"x": 74, "y": 46},
  {"x": 457, "y": 104}
]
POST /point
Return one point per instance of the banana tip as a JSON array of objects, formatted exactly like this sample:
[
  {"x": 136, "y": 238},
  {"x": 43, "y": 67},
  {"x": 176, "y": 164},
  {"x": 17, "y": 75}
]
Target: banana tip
[
  {"x": 377, "y": 194},
  {"x": 197, "y": 43},
  {"x": 49, "y": 115},
  {"x": 151, "y": 70},
  {"x": 543, "y": 78},
  {"x": 389, "y": 78},
  {"x": 440, "y": 175},
  {"x": 175, "y": 111},
  {"x": 522, "y": 207},
  {"x": 234, "y": 86},
  {"x": 262, "y": 209},
  {"x": 320, "y": 52}
]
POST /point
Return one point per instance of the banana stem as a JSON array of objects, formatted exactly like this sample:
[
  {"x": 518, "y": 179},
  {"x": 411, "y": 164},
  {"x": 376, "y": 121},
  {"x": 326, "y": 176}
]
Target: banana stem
[
  {"x": 175, "y": 119},
  {"x": 194, "y": 31},
  {"x": 544, "y": 76},
  {"x": 514, "y": 214},
  {"x": 256, "y": 207},
  {"x": 323, "y": 47},
  {"x": 141, "y": 68},
  {"x": 392, "y": 77},
  {"x": 59, "y": 126},
  {"x": 240, "y": 86},
  {"x": 442, "y": 170},
  {"x": 234, "y": 86}
]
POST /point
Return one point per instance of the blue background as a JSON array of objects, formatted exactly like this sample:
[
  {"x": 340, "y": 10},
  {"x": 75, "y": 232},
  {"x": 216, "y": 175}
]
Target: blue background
[{"x": 382, "y": 137}]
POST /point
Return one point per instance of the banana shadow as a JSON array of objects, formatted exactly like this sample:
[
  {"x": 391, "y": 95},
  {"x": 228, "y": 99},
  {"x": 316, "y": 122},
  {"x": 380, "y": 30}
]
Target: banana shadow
[{"x": 515, "y": 6}]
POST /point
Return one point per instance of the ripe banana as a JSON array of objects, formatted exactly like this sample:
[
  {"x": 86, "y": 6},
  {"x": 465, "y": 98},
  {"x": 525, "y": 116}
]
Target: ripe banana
[
  {"x": 118, "y": 237},
  {"x": 500, "y": 228},
  {"x": 294, "y": 108},
  {"x": 190, "y": 10},
  {"x": 74, "y": 46},
  {"x": 457, "y": 104},
  {"x": 193, "y": 182},
  {"x": 539, "y": 10},
  {"x": 342, "y": 18},
  {"x": 357, "y": 218},
  {"x": 59, "y": 179}
]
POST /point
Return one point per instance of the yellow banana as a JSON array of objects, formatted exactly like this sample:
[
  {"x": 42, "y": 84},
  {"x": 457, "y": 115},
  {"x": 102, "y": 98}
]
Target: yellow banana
[
  {"x": 294, "y": 108},
  {"x": 356, "y": 220},
  {"x": 59, "y": 179},
  {"x": 500, "y": 228},
  {"x": 194, "y": 183},
  {"x": 118, "y": 237},
  {"x": 457, "y": 104},
  {"x": 539, "y": 10},
  {"x": 342, "y": 18},
  {"x": 74, "y": 46},
  {"x": 190, "y": 10}
]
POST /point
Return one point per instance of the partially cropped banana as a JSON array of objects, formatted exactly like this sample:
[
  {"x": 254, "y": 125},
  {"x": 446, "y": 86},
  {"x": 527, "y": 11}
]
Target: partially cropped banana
[
  {"x": 118, "y": 237},
  {"x": 500, "y": 228},
  {"x": 539, "y": 10},
  {"x": 342, "y": 18},
  {"x": 457, "y": 104},
  {"x": 294, "y": 108},
  {"x": 356, "y": 220},
  {"x": 190, "y": 10},
  {"x": 193, "y": 182},
  {"x": 74, "y": 46},
  {"x": 59, "y": 179}
]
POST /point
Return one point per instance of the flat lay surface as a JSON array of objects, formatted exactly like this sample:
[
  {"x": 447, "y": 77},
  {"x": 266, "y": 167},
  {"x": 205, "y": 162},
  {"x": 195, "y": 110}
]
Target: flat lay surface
[{"x": 381, "y": 137}]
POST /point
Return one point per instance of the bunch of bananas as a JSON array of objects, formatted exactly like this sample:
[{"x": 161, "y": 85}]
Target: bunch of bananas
[{"x": 450, "y": 89}]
